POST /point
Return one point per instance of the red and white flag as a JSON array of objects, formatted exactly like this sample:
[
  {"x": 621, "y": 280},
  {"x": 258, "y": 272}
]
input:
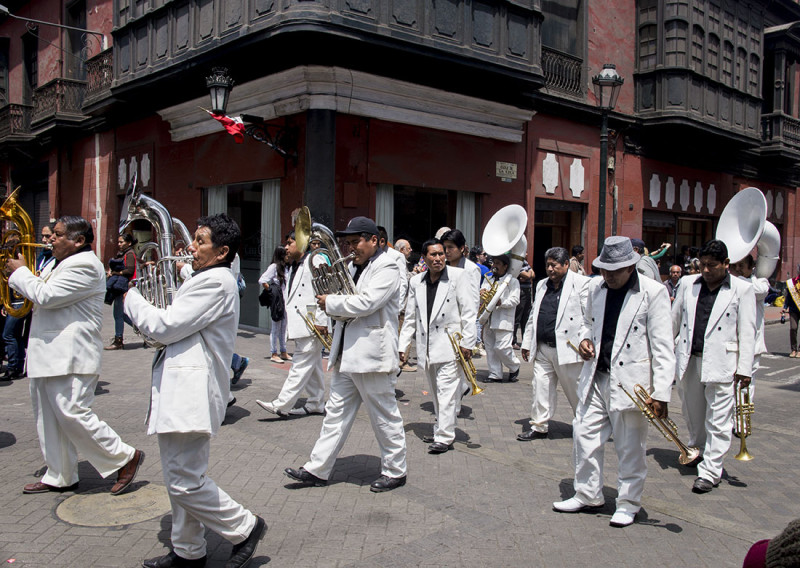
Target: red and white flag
[{"x": 234, "y": 126}]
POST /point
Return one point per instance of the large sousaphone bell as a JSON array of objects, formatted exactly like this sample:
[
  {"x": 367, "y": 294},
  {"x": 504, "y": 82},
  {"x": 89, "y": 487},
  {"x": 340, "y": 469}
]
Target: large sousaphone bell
[
  {"x": 505, "y": 234},
  {"x": 743, "y": 226}
]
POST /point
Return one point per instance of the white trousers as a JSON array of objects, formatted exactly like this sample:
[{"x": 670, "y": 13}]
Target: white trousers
[
  {"x": 66, "y": 424},
  {"x": 546, "y": 373},
  {"x": 499, "y": 352},
  {"x": 197, "y": 502},
  {"x": 708, "y": 411},
  {"x": 593, "y": 425},
  {"x": 348, "y": 391},
  {"x": 306, "y": 373},
  {"x": 445, "y": 384}
]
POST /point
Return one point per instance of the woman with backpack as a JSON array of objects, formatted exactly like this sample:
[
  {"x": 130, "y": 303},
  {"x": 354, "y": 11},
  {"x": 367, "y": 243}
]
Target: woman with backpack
[
  {"x": 120, "y": 270},
  {"x": 274, "y": 280}
]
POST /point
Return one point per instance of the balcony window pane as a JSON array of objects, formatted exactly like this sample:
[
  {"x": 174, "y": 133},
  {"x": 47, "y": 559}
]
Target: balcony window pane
[
  {"x": 647, "y": 47},
  {"x": 712, "y": 63},
  {"x": 713, "y": 17},
  {"x": 755, "y": 71},
  {"x": 727, "y": 63},
  {"x": 675, "y": 44},
  {"x": 560, "y": 25},
  {"x": 677, "y": 8},
  {"x": 698, "y": 40}
]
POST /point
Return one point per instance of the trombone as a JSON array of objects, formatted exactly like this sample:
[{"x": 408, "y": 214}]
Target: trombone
[
  {"x": 664, "y": 425},
  {"x": 466, "y": 364},
  {"x": 312, "y": 327},
  {"x": 741, "y": 424}
]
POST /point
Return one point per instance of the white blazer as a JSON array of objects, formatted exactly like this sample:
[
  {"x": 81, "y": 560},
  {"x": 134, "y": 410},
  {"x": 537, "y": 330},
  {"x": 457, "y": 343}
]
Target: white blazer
[
  {"x": 453, "y": 309},
  {"x": 368, "y": 342},
  {"x": 400, "y": 259},
  {"x": 473, "y": 278},
  {"x": 760, "y": 289},
  {"x": 300, "y": 296},
  {"x": 502, "y": 317},
  {"x": 191, "y": 375},
  {"x": 569, "y": 318},
  {"x": 729, "y": 342},
  {"x": 642, "y": 352},
  {"x": 65, "y": 336}
]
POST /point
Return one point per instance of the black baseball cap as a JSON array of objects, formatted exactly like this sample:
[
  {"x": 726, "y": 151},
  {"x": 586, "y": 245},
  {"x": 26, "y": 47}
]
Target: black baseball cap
[{"x": 358, "y": 225}]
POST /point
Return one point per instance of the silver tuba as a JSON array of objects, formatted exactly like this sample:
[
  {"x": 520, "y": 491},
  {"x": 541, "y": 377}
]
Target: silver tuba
[
  {"x": 157, "y": 272},
  {"x": 743, "y": 226},
  {"x": 329, "y": 271}
]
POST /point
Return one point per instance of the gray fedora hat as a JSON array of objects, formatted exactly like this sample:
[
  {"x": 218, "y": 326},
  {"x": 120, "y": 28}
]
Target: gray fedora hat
[{"x": 617, "y": 253}]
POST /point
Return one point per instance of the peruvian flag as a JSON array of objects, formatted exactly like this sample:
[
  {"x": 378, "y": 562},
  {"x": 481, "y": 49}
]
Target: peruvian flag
[{"x": 234, "y": 126}]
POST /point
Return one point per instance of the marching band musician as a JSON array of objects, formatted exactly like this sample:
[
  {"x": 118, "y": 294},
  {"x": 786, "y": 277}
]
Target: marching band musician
[
  {"x": 713, "y": 319},
  {"x": 64, "y": 350},
  {"x": 498, "y": 330},
  {"x": 627, "y": 340},
  {"x": 364, "y": 359},
  {"x": 550, "y": 339},
  {"x": 439, "y": 303},
  {"x": 745, "y": 270},
  {"x": 306, "y": 372},
  {"x": 189, "y": 396}
]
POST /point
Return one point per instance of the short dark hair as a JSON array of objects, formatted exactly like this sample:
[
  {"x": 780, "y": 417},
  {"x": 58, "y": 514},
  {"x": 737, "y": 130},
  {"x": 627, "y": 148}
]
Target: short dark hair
[
  {"x": 504, "y": 258},
  {"x": 224, "y": 233},
  {"x": 714, "y": 248},
  {"x": 77, "y": 226},
  {"x": 290, "y": 235},
  {"x": 382, "y": 234},
  {"x": 576, "y": 250},
  {"x": 128, "y": 238},
  {"x": 429, "y": 243},
  {"x": 456, "y": 236},
  {"x": 559, "y": 254}
]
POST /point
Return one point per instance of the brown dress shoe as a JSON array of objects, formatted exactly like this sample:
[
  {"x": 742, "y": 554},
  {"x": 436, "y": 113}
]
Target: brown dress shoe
[
  {"x": 116, "y": 344},
  {"x": 40, "y": 487},
  {"x": 127, "y": 473}
]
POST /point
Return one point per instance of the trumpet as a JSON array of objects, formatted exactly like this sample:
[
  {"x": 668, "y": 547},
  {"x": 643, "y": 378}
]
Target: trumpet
[
  {"x": 486, "y": 297},
  {"x": 666, "y": 426},
  {"x": 308, "y": 317},
  {"x": 741, "y": 424},
  {"x": 466, "y": 364}
]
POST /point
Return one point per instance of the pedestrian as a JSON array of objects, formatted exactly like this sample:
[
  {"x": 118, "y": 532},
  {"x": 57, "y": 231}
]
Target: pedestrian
[
  {"x": 121, "y": 269},
  {"x": 791, "y": 306},
  {"x": 576, "y": 262},
  {"x": 274, "y": 278}
]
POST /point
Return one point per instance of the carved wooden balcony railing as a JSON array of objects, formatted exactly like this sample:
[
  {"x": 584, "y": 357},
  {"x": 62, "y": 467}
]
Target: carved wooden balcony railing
[
  {"x": 59, "y": 99},
  {"x": 15, "y": 120},
  {"x": 99, "y": 74},
  {"x": 780, "y": 132}
]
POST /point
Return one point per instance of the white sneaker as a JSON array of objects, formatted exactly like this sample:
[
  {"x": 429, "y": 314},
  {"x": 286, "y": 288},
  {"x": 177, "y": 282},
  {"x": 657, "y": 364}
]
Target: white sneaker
[
  {"x": 269, "y": 407},
  {"x": 621, "y": 519},
  {"x": 572, "y": 505}
]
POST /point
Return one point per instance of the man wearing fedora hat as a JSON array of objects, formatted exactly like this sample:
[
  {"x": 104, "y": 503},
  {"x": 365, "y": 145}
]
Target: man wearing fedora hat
[
  {"x": 627, "y": 339},
  {"x": 364, "y": 359}
]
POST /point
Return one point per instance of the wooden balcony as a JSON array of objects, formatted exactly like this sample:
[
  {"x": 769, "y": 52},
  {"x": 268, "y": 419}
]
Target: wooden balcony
[
  {"x": 563, "y": 73},
  {"x": 15, "y": 123},
  {"x": 58, "y": 101},
  {"x": 780, "y": 136}
]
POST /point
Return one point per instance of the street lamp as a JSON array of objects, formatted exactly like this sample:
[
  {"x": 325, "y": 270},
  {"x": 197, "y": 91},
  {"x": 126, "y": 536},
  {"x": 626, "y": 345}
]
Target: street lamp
[
  {"x": 219, "y": 85},
  {"x": 606, "y": 90}
]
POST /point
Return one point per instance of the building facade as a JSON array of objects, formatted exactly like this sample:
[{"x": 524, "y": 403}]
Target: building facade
[{"x": 419, "y": 113}]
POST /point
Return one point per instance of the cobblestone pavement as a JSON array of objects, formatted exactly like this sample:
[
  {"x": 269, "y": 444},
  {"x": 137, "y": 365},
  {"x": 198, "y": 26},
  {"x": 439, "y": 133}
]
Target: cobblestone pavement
[{"x": 488, "y": 503}]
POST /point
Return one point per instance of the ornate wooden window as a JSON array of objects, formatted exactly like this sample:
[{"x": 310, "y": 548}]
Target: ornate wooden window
[
  {"x": 561, "y": 28},
  {"x": 698, "y": 43},
  {"x": 648, "y": 37},
  {"x": 675, "y": 43},
  {"x": 727, "y": 63},
  {"x": 753, "y": 75},
  {"x": 712, "y": 61}
]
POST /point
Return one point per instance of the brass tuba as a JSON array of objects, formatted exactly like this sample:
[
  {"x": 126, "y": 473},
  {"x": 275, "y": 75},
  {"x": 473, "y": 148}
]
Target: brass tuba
[
  {"x": 329, "y": 271},
  {"x": 157, "y": 273},
  {"x": 470, "y": 372},
  {"x": 666, "y": 426},
  {"x": 25, "y": 237}
]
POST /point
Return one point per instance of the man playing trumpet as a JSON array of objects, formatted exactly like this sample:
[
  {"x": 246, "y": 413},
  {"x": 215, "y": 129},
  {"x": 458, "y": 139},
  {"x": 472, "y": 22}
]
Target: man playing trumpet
[
  {"x": 440, "y": 304},
  {"x": 301, "y": 313}
]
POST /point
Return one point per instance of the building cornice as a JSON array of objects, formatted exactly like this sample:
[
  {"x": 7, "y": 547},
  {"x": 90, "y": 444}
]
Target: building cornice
[{"x": 355, "y": 93}]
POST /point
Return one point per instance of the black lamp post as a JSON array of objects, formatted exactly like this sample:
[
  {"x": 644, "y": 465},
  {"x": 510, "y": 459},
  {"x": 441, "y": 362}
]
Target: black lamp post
[
  {"x": 606, "y": 90},
  {"x": 219, "y": 85}
]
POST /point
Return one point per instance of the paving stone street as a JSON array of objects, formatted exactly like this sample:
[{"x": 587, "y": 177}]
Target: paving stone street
[{"x": 488, "y": 503}]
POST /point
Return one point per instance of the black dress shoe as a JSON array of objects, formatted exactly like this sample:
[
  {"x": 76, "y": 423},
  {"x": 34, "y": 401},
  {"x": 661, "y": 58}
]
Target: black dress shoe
[
  {"x": 427, "y": 439},
  {"x": 439, "y": 448},
  {"x": 514, "y": 377},
  {"x": 244, "y": 551},
  {"x": 702, "y": 485},
  {"x": 172, "y": 560},
  {"x": 384, "y": 483},
  {"x": 531, "y": 435},
  {"x": 302, "y": 476}
]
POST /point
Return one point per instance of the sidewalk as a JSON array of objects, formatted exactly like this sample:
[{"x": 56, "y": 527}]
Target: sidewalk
[{"x": 488, "y": 503}]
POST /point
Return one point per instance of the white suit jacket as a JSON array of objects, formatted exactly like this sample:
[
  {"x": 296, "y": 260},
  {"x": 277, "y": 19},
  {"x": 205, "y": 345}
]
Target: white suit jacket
[
  {"x": 642, "y": 352},
  {"x": 569, "y": 318},
  {"x": 502, "y": 317},
  {"x": 730, "y": 337},
  {"x": 368, "y": 342},
  {"x": 300, "y": 296},
  {"x": 191, "y": 375},
  {"x": 760, "y": 289},
  {"x": 400, "y": 259},
  {"x": 453, "y": 309},
  {"x": 67, "y": 319},
  {"x": 473, "y": 277}
]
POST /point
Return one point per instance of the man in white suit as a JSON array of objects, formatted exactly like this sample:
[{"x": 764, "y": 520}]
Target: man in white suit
[
  {"x": 498, "y": 331},
  {"x": 626, "y": 340},
  {"x": 714, "y": 322},
  {"x": 189, "y": 395},
  {"x": 439, "y": 303},
  {"x": 745, "y": 270},
  {"x": 364, "y": 359},
  {"x": 64, "y": 362},
  {"x": 306, "y": 372},
  {"x": 551, "y": 338}
]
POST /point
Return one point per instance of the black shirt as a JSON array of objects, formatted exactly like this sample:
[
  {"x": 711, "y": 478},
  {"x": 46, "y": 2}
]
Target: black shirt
[
  {"x": 431, "y": 291},
  {"x": 705, "y": 303},
  {"x": 614, "y": 301},
  {"x": 548, "y": 312}
]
